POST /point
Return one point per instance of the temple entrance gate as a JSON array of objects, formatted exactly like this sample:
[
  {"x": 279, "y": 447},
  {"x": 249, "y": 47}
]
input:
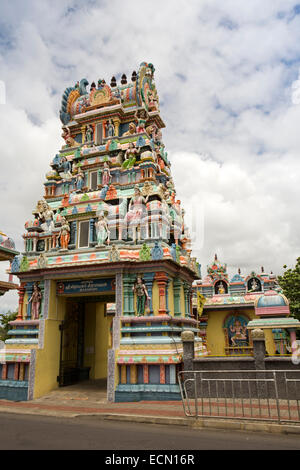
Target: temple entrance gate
[{"x": 85, "y": 337}]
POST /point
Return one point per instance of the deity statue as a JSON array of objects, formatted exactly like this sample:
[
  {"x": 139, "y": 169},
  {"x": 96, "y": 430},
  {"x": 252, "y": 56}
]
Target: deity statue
[
  {"x": 106, "y": 175},
  {"x": 67, "y": 168},
  {"x": 221, "y": 289},
  {"x": 45, "y": 215},
  {"x": 102, "y": 230},
  {"x": 130, "y": 156},
  {"x": 240, "y": 332},
  {"x": 141, "y": 296},
  {"x": 64, "y": 234},
  {"x": 254, "y": 285},
  {"x": 136, "y": 206},
  {"x": 70, "y": 141},
  {"x": 131, "y": 130},
  {"x": 79, "y": 180},
  {"x": 110, "y": 129},
  {"x": 89, "y": 134},
  {"x": 36, "y": 299},
  {"x": 141, "y": 117}
]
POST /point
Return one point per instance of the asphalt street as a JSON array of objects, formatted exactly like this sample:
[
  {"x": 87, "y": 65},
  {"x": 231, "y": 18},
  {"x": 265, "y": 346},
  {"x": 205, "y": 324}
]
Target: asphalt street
[{"x": 29, "y": 432}]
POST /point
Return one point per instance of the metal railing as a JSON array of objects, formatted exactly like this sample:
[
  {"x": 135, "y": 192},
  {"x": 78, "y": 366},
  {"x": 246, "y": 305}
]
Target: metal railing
[{"x": 267, "y": 395}]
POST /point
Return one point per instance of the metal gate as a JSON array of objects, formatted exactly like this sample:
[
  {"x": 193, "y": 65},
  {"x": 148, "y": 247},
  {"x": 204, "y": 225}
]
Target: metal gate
[
  {"x": 268, "y": 395},
  {"x": 71, "y": 368}
]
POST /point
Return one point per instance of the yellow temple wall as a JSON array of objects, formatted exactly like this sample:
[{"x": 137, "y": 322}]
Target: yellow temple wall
[
  {"x": 102, "y": 326},
  {"x": 47, "y": 359},
  {"x": 214, "y": 332}
]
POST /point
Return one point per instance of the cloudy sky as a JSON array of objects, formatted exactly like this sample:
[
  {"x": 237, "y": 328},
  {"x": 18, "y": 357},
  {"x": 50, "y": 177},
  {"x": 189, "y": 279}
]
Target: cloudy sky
[{"x": 227, "y": 73}]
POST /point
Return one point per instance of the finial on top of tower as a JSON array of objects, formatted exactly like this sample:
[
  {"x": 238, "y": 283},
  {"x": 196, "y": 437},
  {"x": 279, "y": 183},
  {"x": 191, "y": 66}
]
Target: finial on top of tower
[
  {"x": 113, "y": 81},
  {"x": 123, "y": 79}
]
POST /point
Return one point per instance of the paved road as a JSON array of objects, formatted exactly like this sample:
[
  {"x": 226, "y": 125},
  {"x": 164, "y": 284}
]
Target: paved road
[{"x": 40, "y": 432}]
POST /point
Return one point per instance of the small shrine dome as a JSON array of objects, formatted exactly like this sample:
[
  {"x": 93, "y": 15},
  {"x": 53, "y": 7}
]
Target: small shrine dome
[
  {"x": 272, "y": 303},
  {"x": 6, "y": 242}
]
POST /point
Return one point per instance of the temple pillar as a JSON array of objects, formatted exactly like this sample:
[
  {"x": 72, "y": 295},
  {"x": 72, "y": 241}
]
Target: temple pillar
[
  {"x": 21, "y": 291},
  {"x": 146, "y": 373},
  {"x": 148, "y": 278},
  {"x": 162, "y": 279},
  {"x": 177, "y": 292},
  {"x": 83, "y": 134},
  {"x": 29, "y": 290},
  {"x": 128, "y": 299}
]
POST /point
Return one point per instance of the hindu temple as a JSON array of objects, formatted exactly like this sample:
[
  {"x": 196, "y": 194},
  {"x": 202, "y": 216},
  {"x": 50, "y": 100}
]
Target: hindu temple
[
  {"x": 228, "y": 308},
  {"x": 107, "y": 231}
]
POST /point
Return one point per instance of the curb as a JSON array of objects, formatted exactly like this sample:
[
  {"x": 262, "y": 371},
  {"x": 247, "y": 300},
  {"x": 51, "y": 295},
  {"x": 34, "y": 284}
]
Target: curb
[{"x": 194, "y": 423}]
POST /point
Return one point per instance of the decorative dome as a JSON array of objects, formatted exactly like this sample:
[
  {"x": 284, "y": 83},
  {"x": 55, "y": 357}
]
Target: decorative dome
[
  {"x": 271, "y": 303},
  {"x": 271, "y": 299},
  {"x": 217, "y": 269},
  {"x": 6, "y": 242}
]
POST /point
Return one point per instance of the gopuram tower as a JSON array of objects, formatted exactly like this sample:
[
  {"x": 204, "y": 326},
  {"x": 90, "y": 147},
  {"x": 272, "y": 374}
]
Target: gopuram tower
[{"x": 108, "y": 230}]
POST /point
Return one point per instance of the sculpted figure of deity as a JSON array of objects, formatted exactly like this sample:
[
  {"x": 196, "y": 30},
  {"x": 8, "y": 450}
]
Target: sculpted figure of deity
[
  {"x": 64, "y": 234},
  {"x": 45, "y": 215},
  {"x": 142, "y": 118},
  {"x": 79, "y": 180},
  {"x": 70, "y": 141},
  {"x": 106, "y": 175},
  {"x": 89, "y": 134},
  {"x": 131, "y": 130},
  {"x": 35, "y": 300},
  {"x": 110, "y": 129},
  {"x": 102, "y": 230},
  {"x": 141, "y": 296},
  {"x": 136, "y": 209},
  {"x": 239, "y": 332},
  {"x": 130, "y": 156}
]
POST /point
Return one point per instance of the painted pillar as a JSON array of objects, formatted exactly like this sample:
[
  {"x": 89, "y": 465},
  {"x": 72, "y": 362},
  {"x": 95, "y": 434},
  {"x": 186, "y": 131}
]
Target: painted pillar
[
  {"x": 128, "y": 283},
  {"x": 22, "y": 371},
  {"x": 91, "y": 234},
  {"x": 149, "y": 277},
  {"x": 29, "y": 290},
  {"x": 187, "y": 304},
  {"x": 4, "y": 372},
  {"x": 176, "y": 290},
  {"x": 162, "y": 374},
  {"x": 83, "y": 134},
  {"x": 21, "y": 291},
  {"x": 16, "y": 371},
  {"x": 112, "y": 369},
  {"x": 146, "y": 373},
  {"x": 162, "y": 280},
  {"x": 42, "y": 287},
  {"x": 133, "y": 374},
  {"x": 123, "y": 374}
]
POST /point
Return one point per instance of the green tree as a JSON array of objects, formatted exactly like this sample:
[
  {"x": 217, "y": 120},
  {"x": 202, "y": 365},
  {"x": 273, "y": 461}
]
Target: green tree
[
  {"x": 5, "y": 318},
  {"x": 290, "y": 284}
]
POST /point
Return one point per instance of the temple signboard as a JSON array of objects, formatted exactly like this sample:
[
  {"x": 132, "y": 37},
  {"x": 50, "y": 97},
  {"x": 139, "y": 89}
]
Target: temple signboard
[{"x": 85, "y": 286}]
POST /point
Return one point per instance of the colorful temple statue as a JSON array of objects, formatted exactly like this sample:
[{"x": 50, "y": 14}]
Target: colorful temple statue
[
  {"x": 108, "y": 230},
  {"x": 35, "y": 300},
  {"x": 230, "y": 308},
  {"x": 141, "y": 296}
]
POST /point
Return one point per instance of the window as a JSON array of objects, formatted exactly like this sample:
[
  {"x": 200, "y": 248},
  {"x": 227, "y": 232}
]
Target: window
[
  {"x": 84, "y": 234},
  {"x": 93, "y": 180}
]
